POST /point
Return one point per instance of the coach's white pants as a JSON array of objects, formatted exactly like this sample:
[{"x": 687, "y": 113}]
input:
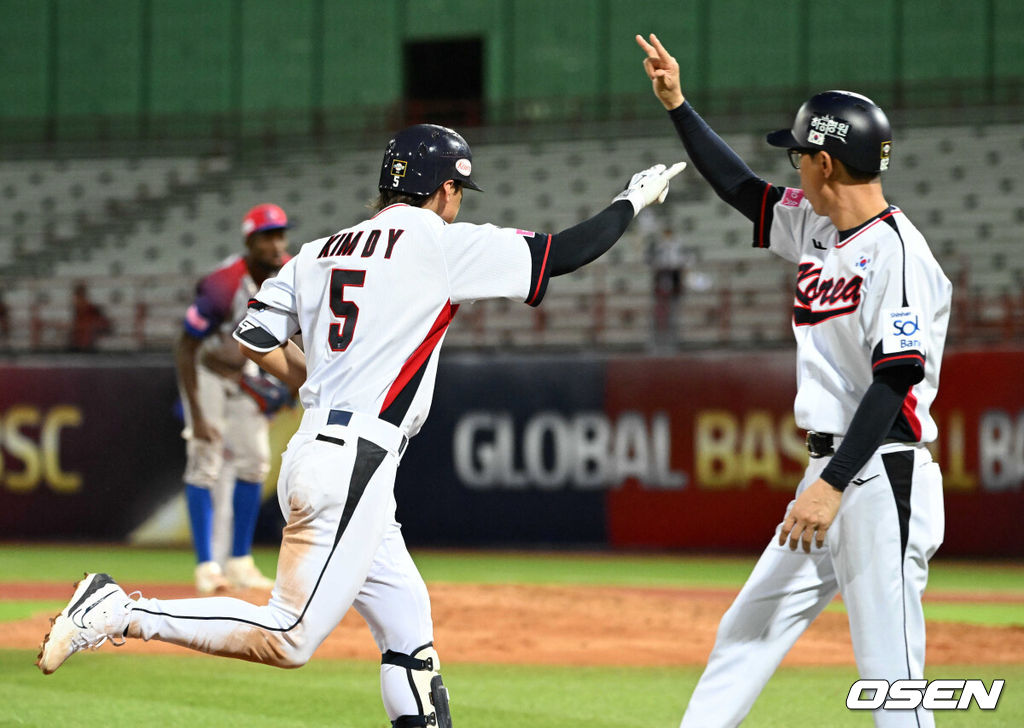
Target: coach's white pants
[
  {"x": 340, "y": 547},
  {"x": 861, "y": 559}
]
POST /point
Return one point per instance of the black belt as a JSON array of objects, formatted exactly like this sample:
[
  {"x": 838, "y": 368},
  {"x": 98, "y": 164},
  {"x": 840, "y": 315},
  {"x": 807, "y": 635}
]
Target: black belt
[{"x": 820, "y": 444}]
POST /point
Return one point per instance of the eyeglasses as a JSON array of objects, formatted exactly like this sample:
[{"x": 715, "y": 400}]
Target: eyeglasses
[{"x": 795, "y": 154}]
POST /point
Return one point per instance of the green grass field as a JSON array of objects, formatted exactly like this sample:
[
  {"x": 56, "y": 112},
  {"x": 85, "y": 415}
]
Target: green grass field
[{"x": 113, "y": 690}]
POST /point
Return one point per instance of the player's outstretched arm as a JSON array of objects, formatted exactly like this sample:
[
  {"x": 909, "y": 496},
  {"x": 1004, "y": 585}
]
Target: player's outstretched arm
[{"x": 588, "y": 240}]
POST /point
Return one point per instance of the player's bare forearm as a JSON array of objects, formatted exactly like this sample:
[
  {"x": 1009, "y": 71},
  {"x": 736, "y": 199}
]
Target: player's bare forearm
[
  {"x": 185, "y": 360},
  {"x": 287, "y": 363}
]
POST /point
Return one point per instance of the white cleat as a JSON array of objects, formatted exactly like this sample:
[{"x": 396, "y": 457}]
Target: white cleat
[
  {"x": 99, "y": 610},
  {"x": 242, "y": 573},
  {"x": 210, "y": 579}
]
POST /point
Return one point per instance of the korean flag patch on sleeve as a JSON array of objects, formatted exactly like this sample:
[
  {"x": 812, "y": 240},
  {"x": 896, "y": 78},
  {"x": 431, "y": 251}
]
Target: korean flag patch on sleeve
[{"x": 901, "y": 330}]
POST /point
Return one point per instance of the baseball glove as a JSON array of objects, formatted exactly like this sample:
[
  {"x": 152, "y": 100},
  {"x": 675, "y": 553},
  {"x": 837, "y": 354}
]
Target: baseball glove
[
  {"x": 269, "y": 393},
  {"x": 649, "y": 186}
]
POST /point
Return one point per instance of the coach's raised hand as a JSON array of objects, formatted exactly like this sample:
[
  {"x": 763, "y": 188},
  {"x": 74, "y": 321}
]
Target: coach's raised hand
[{"x": 663, "y": 70}]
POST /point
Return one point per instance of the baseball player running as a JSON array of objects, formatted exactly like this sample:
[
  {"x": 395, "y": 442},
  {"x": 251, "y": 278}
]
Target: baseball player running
[
  {"x": 373, "y": 303},
  {"x": 221, "y": 403},
  {"x": 870, "y": 315}
]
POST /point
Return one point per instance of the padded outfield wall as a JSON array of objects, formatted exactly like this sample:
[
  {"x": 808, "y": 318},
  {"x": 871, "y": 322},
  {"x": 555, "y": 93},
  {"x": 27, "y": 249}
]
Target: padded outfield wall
[
  {"x": 696, "y": 452},
  {"x": 129, "y": 68}
]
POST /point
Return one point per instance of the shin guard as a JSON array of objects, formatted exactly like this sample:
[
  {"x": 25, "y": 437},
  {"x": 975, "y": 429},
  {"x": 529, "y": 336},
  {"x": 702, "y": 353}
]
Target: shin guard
[{"x": 424, "y": 671}]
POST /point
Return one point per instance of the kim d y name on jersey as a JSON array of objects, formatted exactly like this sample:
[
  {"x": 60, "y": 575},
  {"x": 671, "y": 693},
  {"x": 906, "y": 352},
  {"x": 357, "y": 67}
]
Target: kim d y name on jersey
[{"x": 346, "y": 243}]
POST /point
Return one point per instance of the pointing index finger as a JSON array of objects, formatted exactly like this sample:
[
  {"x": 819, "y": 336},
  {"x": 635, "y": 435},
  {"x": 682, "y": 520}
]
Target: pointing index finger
[{"x": 675, "y": 169}]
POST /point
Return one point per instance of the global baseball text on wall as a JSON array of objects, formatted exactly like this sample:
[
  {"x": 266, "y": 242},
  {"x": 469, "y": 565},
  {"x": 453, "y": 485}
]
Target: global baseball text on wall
[
  {"x": 585, "y": 451},
  {"x": 520, "y": 451},
  {"x": 733, "y": 433}
]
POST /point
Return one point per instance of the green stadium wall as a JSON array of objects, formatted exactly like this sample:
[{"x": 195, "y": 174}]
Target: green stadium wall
[{"x": 138, "y": 68}]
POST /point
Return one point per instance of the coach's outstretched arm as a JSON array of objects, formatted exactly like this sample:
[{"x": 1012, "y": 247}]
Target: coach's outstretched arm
[{"x": 729, "y": 175}]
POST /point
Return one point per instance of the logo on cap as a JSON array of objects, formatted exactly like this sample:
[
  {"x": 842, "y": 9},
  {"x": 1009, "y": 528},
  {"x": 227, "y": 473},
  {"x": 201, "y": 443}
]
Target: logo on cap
[
  {"x": 886, "y": 151},
  {"x": 398, "y": 168},
  {"x": 827, "y": 125},
  {"x": 464, "y": 167}
]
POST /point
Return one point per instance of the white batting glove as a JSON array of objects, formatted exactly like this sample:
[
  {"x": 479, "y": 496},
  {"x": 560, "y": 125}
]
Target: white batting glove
[{"x": 649, "y": 186}]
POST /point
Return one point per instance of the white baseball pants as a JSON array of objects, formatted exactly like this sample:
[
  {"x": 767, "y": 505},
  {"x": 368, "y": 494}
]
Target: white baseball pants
[
  {"x": 243, "y": 429},
  {"x": 341, "y": 546},
  {"x": 876, "y": 555}
]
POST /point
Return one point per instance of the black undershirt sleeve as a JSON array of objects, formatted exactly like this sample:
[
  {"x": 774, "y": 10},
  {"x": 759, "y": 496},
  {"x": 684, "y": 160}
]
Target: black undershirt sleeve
[
  {"x": 587, "y": 241},
  {"x": 728, "y": 175},
  {"x": 870, "y": 425},
  {"x": 564, "y": 252}
]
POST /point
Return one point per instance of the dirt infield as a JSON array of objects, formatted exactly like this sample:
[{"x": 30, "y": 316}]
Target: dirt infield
[{"x": 578, "y": 625}]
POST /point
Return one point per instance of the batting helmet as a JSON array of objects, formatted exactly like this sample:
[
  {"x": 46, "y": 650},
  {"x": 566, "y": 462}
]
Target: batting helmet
[
  {"x": 420, "y": 158},
  {"x": 850, "y": 127},
  {"x": 264, "y": 217}
]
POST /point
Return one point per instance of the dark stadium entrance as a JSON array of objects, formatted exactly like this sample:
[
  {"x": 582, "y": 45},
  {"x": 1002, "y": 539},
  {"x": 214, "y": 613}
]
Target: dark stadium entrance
[{"x": 444, "y": 82}]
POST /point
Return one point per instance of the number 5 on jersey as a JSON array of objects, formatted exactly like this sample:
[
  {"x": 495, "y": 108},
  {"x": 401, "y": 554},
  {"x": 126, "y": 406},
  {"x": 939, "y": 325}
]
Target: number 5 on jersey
[{"x": 340, "y": 335}]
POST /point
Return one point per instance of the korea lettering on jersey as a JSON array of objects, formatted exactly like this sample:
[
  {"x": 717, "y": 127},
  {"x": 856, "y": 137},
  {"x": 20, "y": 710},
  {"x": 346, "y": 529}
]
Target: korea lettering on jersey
[
  {"x": 875, "y": 299},
  {"x": 374, "y": 301}
]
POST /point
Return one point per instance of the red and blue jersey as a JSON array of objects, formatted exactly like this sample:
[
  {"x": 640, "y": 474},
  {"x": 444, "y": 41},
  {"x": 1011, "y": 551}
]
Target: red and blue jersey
[
  {"x": 221, "y": 298},
  {"x": 216, "y": 301}
]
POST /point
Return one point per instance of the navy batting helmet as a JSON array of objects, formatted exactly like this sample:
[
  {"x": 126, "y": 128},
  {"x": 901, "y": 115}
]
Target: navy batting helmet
[
  {"x": 420, "y": 158},
  {"x": 850, "y": 127}
]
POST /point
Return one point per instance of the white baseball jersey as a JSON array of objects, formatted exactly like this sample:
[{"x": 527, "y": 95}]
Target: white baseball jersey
[
  {"x": 374, "y": 301},
  {"x": 873, "y": 300}
]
